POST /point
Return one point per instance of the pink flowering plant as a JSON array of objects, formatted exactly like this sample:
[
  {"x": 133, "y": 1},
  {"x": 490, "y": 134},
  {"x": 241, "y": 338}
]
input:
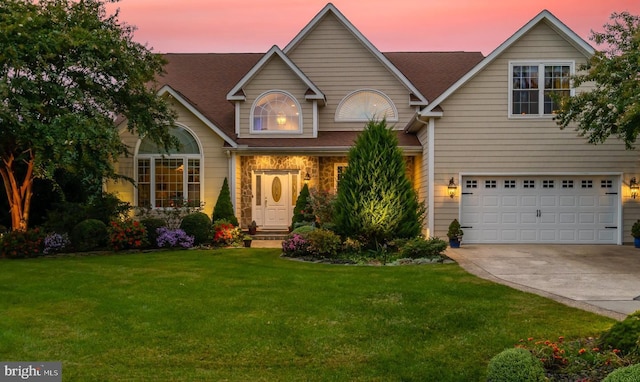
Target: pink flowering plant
[
  {"x": 126, "y": 234},
  {"x": 296, "y": 245},
  {"x": 579, "y": 360}
]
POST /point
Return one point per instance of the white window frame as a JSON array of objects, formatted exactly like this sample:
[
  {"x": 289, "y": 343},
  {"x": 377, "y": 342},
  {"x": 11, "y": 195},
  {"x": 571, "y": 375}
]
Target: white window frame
[
  {"x": 541, "y": 64},
  {"x": 335, "y": 173},
  {"x": 350, "y": 96},
  {"x": 271, "y": 132},
  {"x": 152, "y": 171}
]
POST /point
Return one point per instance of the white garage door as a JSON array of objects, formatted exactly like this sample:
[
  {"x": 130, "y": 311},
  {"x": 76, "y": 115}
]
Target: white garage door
[{"x": 540, "y": 209}]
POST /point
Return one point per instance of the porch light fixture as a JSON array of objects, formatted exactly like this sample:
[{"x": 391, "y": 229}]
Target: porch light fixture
[
  {"x": 633, "y": 185},
  {"x": 307, "y": 178},
  {"x": 451, "y": 188},
  {"x": 281, "y": 118}
]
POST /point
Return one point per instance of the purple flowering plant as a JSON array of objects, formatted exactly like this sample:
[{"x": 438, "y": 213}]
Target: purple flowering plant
[
  {"x": 55, "y": 242},
  {"x": 173, "y": 238},
  {"x": 295, "y": 245}
]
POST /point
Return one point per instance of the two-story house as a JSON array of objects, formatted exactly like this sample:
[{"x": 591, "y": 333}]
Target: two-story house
[{"x": 477, "y": 133}]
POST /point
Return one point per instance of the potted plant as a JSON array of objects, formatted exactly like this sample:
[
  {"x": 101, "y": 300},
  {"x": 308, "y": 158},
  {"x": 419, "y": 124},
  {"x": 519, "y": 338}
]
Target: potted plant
[
  {"x": 253, "y": 227},
  {"x": 247, "y": 241},
  {"x": 635, "y": 232},
  {"x": 455, "y": 234}
]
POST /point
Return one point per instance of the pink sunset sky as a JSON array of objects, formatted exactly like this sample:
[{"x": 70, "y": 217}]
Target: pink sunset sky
[{"x": 221, "y": 26}]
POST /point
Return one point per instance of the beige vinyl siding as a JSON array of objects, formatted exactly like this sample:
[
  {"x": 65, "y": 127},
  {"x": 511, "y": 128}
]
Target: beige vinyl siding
[
  {"x": 214, "y": 163},
  {"x": 338, "y": 64},
  {"x": 276, "y": 75},
  {"x": 476, "y": 134}
]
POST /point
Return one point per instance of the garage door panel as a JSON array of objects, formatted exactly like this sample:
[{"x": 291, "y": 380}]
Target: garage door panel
[{"x": 536, "y": 209}]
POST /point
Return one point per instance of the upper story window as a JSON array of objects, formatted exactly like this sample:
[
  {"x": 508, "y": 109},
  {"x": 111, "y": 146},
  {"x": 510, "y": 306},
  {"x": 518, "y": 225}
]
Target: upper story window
[
  {"x": 366, "y": 105},
  {"x": 531, "y": 86},
  {"x": 276, "y": 111}
]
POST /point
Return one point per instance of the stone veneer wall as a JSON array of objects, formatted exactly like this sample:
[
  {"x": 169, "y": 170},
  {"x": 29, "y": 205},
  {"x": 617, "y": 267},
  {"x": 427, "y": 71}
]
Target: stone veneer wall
[
  {"x": 321, "y": 170},
  {"x": 248, "y": 164}
]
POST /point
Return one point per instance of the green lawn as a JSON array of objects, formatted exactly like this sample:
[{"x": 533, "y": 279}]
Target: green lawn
[{"x": 249, "y": 315}]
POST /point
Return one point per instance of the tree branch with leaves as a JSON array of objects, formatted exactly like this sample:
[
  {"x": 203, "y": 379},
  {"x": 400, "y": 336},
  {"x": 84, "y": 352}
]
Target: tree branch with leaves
[{"x": 68, "y": 71}]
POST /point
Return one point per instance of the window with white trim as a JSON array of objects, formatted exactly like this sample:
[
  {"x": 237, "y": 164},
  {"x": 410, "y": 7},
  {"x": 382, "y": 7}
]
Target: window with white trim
[
  {"x": 532, "y": 84},
  {"x": 338, "y": 172},
  {"x": 276, "y": 111},
  {"x": 365, "y": 105},
  {"x": 169, "y": 180}
]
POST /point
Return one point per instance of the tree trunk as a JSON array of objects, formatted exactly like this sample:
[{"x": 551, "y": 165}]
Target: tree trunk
[{"x": 18, "y": 192}]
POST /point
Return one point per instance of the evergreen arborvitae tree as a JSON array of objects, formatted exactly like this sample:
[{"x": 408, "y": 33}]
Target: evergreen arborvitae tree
[
  {"x": 376, "y": 202},
  {"x": 303, "y": 211},
  {"x": 224, "y": 207}
]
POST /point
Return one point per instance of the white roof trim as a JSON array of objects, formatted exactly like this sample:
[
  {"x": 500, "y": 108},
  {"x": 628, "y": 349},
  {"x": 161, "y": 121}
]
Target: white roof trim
[
  {"x": 233, "y": 94},
  {"x": 546, "y": 16},
  {"x": 331, "y": 8},
  {"x": 178, "y": 97}
]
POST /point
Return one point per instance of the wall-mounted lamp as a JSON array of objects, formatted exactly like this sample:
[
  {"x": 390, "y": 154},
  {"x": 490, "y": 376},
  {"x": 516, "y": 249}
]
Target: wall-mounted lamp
[
  {"x": 633, "y": 185},
  {"x": 451, "y": 188},
  {"x": 307, "y": 178},
  {"x": 281, "y": 118}
]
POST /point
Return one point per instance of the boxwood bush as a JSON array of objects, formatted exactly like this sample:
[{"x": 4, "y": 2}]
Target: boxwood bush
[
  {"x": 624, "y": 374},
  {"x": 197, "y": 225},
  {"x": 515, "y": 365},
  {"x": 623, "y": 335},
  {"x": 89, "y": 234}
]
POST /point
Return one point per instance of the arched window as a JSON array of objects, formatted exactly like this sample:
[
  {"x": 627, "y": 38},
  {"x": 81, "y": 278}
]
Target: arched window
[
  {"x": 171, "y": 180},
  {"x": 365, "y": 105},
  {"x": 276, "y": 111}
]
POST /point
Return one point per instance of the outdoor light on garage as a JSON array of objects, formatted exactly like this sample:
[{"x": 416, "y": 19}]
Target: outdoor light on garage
[
  {"x": 633, "y": 185},
  {"x": 452, "y": 188}
]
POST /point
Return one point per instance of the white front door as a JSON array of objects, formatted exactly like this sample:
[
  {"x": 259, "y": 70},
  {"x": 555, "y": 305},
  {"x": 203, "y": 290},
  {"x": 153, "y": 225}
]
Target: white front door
[{"x": 273, "y": 199}]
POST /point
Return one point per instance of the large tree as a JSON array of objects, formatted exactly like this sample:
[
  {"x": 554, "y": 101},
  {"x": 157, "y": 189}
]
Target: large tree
[
  {"x": 68, "y": 71},
  {"x": 612, "y": 106},
  {"x": 376, "y": 201}
]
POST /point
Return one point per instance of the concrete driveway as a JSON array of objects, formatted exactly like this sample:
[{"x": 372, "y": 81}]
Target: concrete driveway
[{"x": 604, "y": 279}]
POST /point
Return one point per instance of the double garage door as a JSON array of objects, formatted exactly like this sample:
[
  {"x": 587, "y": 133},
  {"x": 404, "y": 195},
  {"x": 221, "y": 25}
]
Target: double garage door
[{"x": 540, "y": 209}]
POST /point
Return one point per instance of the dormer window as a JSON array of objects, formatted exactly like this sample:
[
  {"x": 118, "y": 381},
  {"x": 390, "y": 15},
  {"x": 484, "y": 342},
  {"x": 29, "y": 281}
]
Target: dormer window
[
  {"x": 276, "y": 111},
  {"x": 366, "y": 105}
]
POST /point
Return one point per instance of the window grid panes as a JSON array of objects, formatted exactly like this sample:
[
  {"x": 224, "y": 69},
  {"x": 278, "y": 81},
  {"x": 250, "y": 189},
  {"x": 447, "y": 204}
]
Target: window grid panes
[
  {"x": 471, "y": 184},
  {"x": 529, "y": 184},
  {"x": 144, "y": 182},
  {"x": 587, "y": 184},
  {"x": 276, "y": 111},
  {"x": 567, "y": 184},
  {"x": 548, "y": 184},
  {"x": 490, "y": 184},
  {"x": 509, "y": 184},
  {"x": 606, "y": 184},
  {"x": 365, "y": 105},
  {"x": 533, "y": 85}
]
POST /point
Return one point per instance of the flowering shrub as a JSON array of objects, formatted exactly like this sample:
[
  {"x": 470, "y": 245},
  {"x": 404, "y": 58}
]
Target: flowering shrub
[
  {"x": 225, "y": 233},
  {"x": 296, "y": 245},
  {"x": 579, "y": 358},
  {"x": 323, "y": 243},
  {"x": 173, "y": 238},
  {"x": 55, "y": 243},
  {"x": 20, "y": 245},
  {"x": 127, "y": 234}
]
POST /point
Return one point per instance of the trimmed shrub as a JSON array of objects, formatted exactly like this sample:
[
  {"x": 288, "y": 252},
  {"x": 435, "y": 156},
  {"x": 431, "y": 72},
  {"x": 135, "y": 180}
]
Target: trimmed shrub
[
  {"x": 197, "y": 225},
  {"x": 89, "y": 234},
  {"x": 108, "y": 207},
  {"x": 304, "y": 229},
  {"x": 323, "y": 243},
  {"x": 151, "y": 226},
  {"x": 624, "y": 374},
  {"x": 224, "y": 208},
  {"x": 515, "y": 365},
  {"x": 127, "y": 234},
  {"x": 64, "y": 216},
  {"x": 174, "y": 238},
  {"x": 623, "y": 335},
  {"x": 21, "y": 244},
  {"x": 303, "y": 211},
  {"x": 420, "y": 247},
  {"x": 375, "y": 200}
]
